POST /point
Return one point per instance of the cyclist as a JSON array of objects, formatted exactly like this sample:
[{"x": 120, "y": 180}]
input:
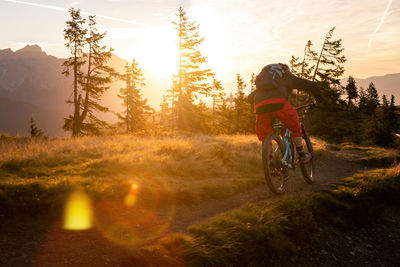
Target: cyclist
[{"x": 270, "y": 100}]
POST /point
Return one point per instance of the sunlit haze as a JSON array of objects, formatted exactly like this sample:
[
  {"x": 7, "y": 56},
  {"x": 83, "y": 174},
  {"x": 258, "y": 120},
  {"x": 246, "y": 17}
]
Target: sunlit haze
[{"x": 240, "y": 36}]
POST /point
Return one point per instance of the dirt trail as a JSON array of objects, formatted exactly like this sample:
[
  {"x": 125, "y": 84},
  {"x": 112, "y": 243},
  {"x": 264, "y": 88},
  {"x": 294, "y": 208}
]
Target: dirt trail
[
  {"x": 333, "y": 167},
  {"x": 27, "y": 246}
]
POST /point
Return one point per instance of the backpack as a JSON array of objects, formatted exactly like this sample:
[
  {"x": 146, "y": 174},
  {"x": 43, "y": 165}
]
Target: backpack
[{"x": 270, "y": 77}]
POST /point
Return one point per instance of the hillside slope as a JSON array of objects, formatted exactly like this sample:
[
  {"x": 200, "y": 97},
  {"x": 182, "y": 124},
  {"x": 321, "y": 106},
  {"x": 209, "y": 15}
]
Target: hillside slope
[
  {"x": 388, "y": 84},
  {"x": 31, "y": 81}
]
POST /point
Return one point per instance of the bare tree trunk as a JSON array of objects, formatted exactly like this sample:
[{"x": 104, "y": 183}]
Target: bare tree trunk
[{"x": 75, "y": 125}]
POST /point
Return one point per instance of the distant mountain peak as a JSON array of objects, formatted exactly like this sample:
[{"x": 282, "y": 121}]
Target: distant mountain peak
[
  {"x": 6, "y": 51},
  {"x": 30, "y": 49}
]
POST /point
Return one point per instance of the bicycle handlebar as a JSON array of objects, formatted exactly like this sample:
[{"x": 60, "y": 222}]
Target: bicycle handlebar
[{"x": 309, "y": 105}]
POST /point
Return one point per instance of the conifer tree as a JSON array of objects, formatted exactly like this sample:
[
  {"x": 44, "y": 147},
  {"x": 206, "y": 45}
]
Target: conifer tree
[
  {"x": 75, "y": 37},
  {"x": 308, "y": 56},
  {"x": 34, "y": 130},
  {"x": 96, "y": 81},
  {"x": 351, "y": 90},
  {"x": 303, "y": 69},
  {"x": 295, "y": 65},
  {"x": 242, "y": 107},
  {"x": 217, "y": 95},
  {"x": 363, "y": 100},
  {"x": 89, "y": 86},
  {"x": 165, "y": 114},
  {"x": 328, "y": 69},
  {"x": 329, "y": 63},
  {"x": 383, "y": 131},
  {"x": 226, "y": 115},
  {"x": 136, "y": 108},
  {"x": 372, "y": 99},
  {"x": 252, "y": 119},
  {"x": 192, "y": 79},
  {"x": 393, "y": 118}
]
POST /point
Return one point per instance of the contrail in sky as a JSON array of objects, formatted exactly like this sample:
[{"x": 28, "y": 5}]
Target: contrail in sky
[
  {"x": 379, "y": 25},
  {"x": 64, "y": 9}
]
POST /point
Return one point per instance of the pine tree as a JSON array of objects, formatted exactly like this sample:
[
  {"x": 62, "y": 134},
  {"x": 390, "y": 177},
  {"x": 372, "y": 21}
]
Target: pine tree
[
  {"x": 136, "y": 108},
  {"x": 363, "y": 100},
  {"x": 217, "y": 95},
  {"x": 96, "y": 81},
  {"x": 34, "y": 130},
  {"x": 303, "y": 69},
  {"x": 192, "y": 79},
  {"x": 329, "y": 69},
  {"x": 252, "y": 119},
  {"x": 75, "y": 37},
  {"x": 372, "y": 99},
  {"x": 242, "y": 107},
  {"x": 295, "y": 65},
  {"x": 383, "y": 131},
  {"x": 351, "y": 90},
  {"x": 330, "y": 56},
  {"x": 91, "y": 85},
  {"x": 226, "y": 115},
  {"x": 309, "y": 56},
  {"x": 165, "y": 114},
  {"x": 393, "y": 118}
]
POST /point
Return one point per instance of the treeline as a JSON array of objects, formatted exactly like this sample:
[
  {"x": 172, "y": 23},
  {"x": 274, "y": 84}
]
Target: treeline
[
  {"x": 359, "y": 116},
  {"x": 347, "y": 113},
  {"x": 196, "y": 102}
]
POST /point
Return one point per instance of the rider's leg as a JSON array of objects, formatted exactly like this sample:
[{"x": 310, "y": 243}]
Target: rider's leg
[
  {"x": 298, "y": 141},
  {"x": 288, "y": 115},
  {"x": 263, "y": 125}
]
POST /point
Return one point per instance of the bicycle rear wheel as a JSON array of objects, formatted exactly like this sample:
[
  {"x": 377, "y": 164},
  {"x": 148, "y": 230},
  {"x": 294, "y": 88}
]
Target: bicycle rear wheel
[
  {"x": 274, "y": 171},
  {"x": 308, "y": 168}
]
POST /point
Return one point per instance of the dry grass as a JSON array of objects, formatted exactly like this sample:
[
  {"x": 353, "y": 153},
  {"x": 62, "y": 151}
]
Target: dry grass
[
  {"x": 191, "y": 168},
  {"x": 369, "y": 156}
]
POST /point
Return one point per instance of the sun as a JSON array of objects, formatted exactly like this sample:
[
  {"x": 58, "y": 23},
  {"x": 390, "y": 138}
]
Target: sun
[{"x": 157, "y": 52}]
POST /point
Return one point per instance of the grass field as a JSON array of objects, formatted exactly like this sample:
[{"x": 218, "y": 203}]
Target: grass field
[{"x": 36, "y": 174}]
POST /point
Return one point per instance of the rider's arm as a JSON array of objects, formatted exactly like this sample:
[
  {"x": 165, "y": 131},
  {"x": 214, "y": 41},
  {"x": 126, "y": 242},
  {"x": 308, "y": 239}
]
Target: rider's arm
[{"x": 291, "y": 81}]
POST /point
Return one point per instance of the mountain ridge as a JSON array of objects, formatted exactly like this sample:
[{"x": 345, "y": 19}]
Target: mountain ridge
[{"x": 32, "y": 78}]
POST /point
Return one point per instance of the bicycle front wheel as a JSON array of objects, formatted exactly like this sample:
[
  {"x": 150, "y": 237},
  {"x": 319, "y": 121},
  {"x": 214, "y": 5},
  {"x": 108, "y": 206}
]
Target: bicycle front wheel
[
  {"x": 308, "y": 168},
  {"x": 274, "y": 171}
]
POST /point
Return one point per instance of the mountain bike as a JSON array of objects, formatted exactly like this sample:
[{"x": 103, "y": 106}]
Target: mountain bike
[{"x": 279, "y": 156}]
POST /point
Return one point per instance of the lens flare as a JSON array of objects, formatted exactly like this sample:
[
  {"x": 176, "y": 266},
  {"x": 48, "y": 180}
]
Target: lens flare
[
  {"x": 134, "y": 187},
  {"x": 78, "y": 212},
  {"x": 131, "y": 197},
  {"x": 139, "y": 217},
  {"x": 130, "y": 200}
]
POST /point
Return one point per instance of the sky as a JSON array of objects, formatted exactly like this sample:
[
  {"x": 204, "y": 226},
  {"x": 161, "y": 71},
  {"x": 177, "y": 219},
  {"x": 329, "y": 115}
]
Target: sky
[{"x": 241, "y": 36}]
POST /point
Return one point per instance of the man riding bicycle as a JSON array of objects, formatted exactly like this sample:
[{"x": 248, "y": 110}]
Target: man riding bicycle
[{"x": 270, "y": 100}]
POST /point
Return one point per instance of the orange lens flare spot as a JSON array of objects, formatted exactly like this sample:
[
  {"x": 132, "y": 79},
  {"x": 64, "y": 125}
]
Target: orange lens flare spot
[
  {"x": 130, "y": 200},
  {"x": 134, "y": 186},
  {"x": 78, "y": 214}
]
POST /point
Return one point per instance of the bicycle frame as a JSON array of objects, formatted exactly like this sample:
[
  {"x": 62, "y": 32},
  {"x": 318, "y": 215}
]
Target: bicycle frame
[{"x": 288, "y": 157}]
